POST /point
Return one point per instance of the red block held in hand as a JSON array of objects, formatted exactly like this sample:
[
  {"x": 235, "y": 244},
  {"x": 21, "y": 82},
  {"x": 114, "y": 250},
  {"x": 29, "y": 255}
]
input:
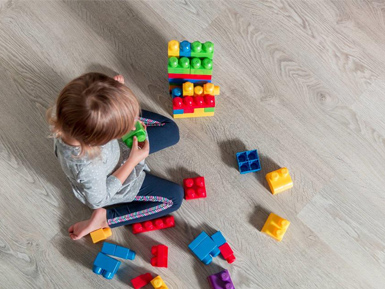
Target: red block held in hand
[{"x": 194, "y": 188}]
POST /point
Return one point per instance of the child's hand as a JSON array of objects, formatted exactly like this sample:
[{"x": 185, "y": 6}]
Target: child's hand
[
  {"x": 137, "y": 153},
  {"x": 119, "y": 78}
]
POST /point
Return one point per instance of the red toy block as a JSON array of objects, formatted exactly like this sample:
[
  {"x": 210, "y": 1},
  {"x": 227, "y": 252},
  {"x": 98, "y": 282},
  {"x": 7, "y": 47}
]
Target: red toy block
[
  {"x": 227, "y": 253},
  {"x": 141, "y": 280},
  {"x": 189, "y": 102},
  {"x": 160, "y": 258},
  {"x": 194, "y": 188},
  {"x": 153, "y": 225},
  {"x": 189, "y": 76}
]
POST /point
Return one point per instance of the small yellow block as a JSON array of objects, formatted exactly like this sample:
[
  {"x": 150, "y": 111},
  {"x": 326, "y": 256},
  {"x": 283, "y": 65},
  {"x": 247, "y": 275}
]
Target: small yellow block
[
  {"x": 173, "y": 48},
  {"x": 100, "y": 235},
  {"x": 209, "y": 88},
  {"x": 279, "y": 181},
  {"x": 198, "y": 90},
  {"x": 158, "y": 283},
  {"x": 275, "y": 226},
  {"x": 188, "y": 89}
]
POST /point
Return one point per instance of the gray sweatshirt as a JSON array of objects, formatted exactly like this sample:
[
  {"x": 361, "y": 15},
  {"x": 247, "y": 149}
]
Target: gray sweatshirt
[{"x": 92, "y": 180}]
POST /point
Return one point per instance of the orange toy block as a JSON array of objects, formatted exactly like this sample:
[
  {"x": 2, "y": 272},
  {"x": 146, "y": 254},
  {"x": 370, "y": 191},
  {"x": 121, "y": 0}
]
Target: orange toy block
[
  {"x": 275, "y": 226},
  {"x": 209, "y": 88},
  {"x": 158, "y": 283},
  {"x": 279, "y": 181},
  {"x": 100, "y": 235},
  {"x": 173, "y": 48}
]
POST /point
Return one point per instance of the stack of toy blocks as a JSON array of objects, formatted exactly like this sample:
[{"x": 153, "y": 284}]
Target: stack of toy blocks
[{"x": 190, "y": 67}]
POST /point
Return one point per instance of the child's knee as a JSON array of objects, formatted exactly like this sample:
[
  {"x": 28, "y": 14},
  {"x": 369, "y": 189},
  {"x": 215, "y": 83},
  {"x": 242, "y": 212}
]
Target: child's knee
[
  {"x": 178, "y": 195},
  {"x": 172, "y": 131}
]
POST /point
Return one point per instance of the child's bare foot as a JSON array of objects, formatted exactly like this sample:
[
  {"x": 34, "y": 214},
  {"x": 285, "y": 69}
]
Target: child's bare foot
[
  {"x": 119, "y": 78},
  {"x": 98, "y": 220}
]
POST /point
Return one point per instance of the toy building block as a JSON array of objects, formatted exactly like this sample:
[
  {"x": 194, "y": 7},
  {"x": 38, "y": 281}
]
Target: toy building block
[
  {"x": 180, "y": 81},
  {"x": 189, "y": 76},
  {"x": 275, "y": 226},
  {"x": 279, "y": 181},
  {"x": 188, "y": 89},
  {"x": 158, "y": 283},
  {"x": 227, "y": 253},
  {"x": 176, "y": 92},
  {"x": 173, "y": 48},
  {"x": 181, "y": 65},
  {"x": 211, "y": 89},
  {"x": 190, "y": 102},
  {"x": 152, "y": 225},
  {"x": 141, "y": 280},
  {"x": 106, "y": 266},
  {"x": 201, "y": 66},
  {"x": 118, "y": 251},
  {"x": 160, "y": 258},
  {"x": 198, "y": 112},
  {"x": 139, "y": 132},
  {"x": 185, "y": 49},
  {"x": 202, "y": 50},
  {"x": 204, "y": 248},
  {"x": 101, "y": 234},
  {"x": 221, "y": 280},
  {"x": 248, "y": 161},
  {"x": 194, "y": 188},
  {"x": 218, "y": 238}
]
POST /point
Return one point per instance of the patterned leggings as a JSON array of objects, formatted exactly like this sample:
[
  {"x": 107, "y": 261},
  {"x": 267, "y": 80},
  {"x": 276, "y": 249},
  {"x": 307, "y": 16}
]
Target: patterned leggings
[{"x": 157, "y": 197}]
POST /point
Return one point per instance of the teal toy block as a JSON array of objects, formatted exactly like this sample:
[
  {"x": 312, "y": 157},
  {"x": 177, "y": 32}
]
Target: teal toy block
[
  {"x": 176, "y": 92},
  {"x": 185, "y": 49},
  {"x": 204, "y": 248},
  {"x": 202, "y": 50},
  {"x": 181, "y": 65},
  {"x": 201, "y": 66},
  {"x": 218, "y": 239},
  {"x": 139, "y": 132},
  {"x": 118, "y": 251},
  {"x": 105, "y": 266},
  {"x": 178, "y": 111}
]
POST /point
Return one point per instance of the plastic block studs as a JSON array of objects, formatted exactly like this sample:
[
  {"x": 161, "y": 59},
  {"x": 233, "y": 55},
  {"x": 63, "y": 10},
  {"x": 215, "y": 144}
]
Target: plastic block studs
[
  {"x": 141, "y": 280},
  {"x": 158, "y": 283},
  {"x": 173, "y": 48},
  {"x": 176, "y": 92},
  {"x": 100, "y": 235},
  {"x": 181, "y": 65},
  {"x": 191, "y": 102},
  {"x": 201, "y": 66},
  {"x": 204, "y": 248},
  {"x": 221, "y": 280},
  {"x": 248, "y": 162},
  {"x": 185, "y": 49},
  {"x": 201, "y": 50},
  {"x": 139, "y": 132},
  {"x": 106, "y": 266},
  {"x": 188, "y": 89},
  {"x": 118, "y": 251},
  {"x": 279, "y": 181},
  {"x": 211, "y": 89},
  {"x": 152, "y": 225},
  {"x": 194, "y": 188},
  {"x": 160, "y": 258},
  {"x": 275, "y": 226}
]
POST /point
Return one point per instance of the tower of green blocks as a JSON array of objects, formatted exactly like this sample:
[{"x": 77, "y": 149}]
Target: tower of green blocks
[{"x": 190, "y": 67}]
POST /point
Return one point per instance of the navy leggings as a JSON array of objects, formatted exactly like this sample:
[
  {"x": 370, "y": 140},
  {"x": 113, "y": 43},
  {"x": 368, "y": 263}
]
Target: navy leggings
[{"x": 157, "y": 197}]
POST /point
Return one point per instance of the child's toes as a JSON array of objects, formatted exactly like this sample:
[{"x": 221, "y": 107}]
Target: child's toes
[{"x": 71, "y": 229}]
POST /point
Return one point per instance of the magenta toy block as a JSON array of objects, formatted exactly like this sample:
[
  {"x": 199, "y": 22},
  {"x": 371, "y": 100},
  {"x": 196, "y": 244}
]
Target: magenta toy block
[
  {"x": 221, "y": 280},
  {"x": 194, "y": 188}
]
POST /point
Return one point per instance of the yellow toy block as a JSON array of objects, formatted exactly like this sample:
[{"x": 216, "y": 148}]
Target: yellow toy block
[
  {"x": 173, "y": 48},
  {"x": 198, "y": 112},
  {"x": 275, "y": 226},
  {"x": 209, "y": 88},
  {"x": 158, "y": 283},
  {"x": 100, "y": 235},
  {"x": 188, "y": 89},
  {"x": 198, "y": 90},
  {"x": 279, "y": 181}
]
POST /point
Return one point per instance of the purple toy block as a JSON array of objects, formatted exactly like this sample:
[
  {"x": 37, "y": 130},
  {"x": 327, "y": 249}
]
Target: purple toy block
[{"x": 221, "y": 280}]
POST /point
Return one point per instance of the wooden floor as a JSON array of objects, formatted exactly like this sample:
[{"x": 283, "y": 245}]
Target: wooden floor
[{"x": 301, "y": 81}]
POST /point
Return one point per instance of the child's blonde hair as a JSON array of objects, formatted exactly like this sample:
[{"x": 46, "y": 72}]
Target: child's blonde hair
[{"x": 93, "y": 109}]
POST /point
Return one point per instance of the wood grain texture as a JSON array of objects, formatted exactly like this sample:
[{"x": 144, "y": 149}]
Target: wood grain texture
[{"x": 301, "y": 81}]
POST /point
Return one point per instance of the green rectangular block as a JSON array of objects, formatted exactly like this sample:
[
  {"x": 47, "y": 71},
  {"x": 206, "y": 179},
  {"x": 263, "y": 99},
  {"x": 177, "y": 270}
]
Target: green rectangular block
[
  {"x": 209, "y": 109},
  {"x": 201, "y": 66},
  {"x": 199, "y": 49}
]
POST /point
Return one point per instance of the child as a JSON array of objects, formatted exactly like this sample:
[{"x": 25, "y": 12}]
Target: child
[{"x": 89, "y": 118}]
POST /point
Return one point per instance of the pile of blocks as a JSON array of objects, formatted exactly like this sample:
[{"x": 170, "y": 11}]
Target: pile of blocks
[{"x": 190, "y": 67}]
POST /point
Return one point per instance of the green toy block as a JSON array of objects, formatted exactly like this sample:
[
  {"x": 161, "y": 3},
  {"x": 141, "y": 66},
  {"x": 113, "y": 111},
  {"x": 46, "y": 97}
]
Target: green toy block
[
  {"x": 180, "y": 66},
  {"x": 201, "y": 66},
  {"x": 139, "y": 132},
  {"x": 209, "y": 109},
  {"x": 202, "y": 50}
]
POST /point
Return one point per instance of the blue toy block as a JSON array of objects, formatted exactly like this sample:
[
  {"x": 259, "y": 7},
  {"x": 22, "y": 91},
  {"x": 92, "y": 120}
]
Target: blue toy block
[
  {"x": 178, "y": 111},
  {"x": 203, "y": 246},
  {"x": 106, "y": 266},
  {"x": 218, "y": 239},
  {"x": 118, "y": 251},
  {"x": 248, "y": 161},
  {"x": 183, "y": 80},
  {"x": 185, "y": 49},
  {"x": 176, "y": 92}
]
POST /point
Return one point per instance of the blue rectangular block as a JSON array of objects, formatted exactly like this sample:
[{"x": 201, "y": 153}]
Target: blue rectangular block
[
  {"x": 248, "y": 161},
  {"x": 106, "y": 266},
  {"x": 218, "y": 238},
  {"x": 178, "y": 111},
  {"x": 198, "y": 240},
  {"x": 203, "y": 246},
  {"x": 118, "y": 251},
  {"x": 185, "y": 49}
]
